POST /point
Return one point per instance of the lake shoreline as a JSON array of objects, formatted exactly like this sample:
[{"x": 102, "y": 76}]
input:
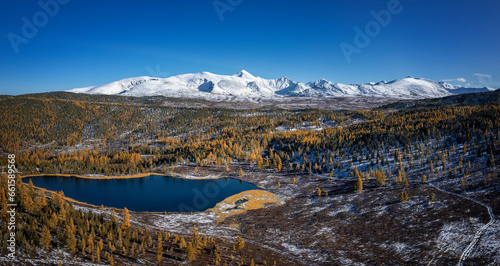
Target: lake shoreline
[
  {"x": 125, "y": 176},
  {"x": 93, "y": 205}
]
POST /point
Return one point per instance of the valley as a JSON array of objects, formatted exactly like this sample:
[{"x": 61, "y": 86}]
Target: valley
[
  {"x": 249, "y": 133},
  {"x": 392, "y": 182}
]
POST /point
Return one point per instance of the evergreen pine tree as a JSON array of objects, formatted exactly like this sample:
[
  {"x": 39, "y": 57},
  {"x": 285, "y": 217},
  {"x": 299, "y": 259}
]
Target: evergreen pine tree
[
  {"x": 70, "y": 240},
  {"x": 45, "y": 239},
  {"x": 358, "y": 186},
  {"x": 190, "y": 252},
  {"x": 240, "y": 243},
  {"x": 406, "y": 182},
  {"x": 403, "y": 196},
  {"x": 126, "y": 219},
  {"x": 159, "y": 249}
]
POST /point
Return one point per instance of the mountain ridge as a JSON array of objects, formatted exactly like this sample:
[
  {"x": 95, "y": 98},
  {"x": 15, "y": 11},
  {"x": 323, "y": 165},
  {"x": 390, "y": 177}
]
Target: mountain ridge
[{"x": 243, "y": 84}]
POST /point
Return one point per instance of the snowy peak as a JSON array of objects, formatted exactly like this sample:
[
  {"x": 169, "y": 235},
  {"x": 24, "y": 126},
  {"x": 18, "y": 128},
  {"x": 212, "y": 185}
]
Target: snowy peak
[
  {"x": 448, "y": 86},
  {"x": 320, "y": 83},
  {"x": 408, "y": 87},
  {"x": 207, "y": 85},
  {"x": 116, "y": 87},
  {"x": 244, "y": 74}
]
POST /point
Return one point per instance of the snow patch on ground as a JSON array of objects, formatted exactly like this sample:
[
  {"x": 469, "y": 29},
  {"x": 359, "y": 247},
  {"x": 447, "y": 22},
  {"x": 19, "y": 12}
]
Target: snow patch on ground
[
  {"x": 454, "y": 237},
  {"x": 489, "y": 244},
  {"x": 345, "y": 208}
]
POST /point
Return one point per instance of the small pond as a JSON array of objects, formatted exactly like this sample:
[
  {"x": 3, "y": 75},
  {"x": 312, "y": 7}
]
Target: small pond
[{"x": 153, "y": 193}]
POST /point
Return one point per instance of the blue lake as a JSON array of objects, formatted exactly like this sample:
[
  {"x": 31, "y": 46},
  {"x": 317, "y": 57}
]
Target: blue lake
[{"x": 152, "y": 193}]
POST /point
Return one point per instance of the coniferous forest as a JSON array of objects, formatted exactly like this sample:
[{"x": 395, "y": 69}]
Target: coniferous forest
[{"x": 402, "y": 181}]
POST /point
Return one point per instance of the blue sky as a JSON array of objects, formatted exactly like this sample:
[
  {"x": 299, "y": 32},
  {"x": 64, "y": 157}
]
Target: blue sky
[{"x": 83, "y": 43}]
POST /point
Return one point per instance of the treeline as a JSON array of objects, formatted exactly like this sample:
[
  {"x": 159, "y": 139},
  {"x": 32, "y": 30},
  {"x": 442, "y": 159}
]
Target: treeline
[
  {"x": 37, "y": 128},
  {"x": 29, "y": 121},
  {"x": 127, "y": 139}
]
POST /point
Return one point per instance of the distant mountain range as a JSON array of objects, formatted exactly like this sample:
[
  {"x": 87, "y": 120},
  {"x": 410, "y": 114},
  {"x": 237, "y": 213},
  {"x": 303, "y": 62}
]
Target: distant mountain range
[{"x": 210, "y": 86}]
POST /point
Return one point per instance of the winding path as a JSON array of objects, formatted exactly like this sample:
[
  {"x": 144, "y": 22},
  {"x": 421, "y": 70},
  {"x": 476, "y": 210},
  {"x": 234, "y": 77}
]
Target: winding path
[{"x": 479, "y": 233}]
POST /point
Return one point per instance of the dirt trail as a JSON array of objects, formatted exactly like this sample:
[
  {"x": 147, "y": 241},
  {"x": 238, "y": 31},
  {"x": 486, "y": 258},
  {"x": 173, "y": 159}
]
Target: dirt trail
[{"x": 479, "y": 233}]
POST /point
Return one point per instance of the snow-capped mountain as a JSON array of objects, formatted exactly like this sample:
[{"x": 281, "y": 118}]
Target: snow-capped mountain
[
  {"x": 201, "y": 84},
  {"x": 245, "y": 85},
  {"x": 454, "y": 89},
  {"x": 401, "y": 88}
]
